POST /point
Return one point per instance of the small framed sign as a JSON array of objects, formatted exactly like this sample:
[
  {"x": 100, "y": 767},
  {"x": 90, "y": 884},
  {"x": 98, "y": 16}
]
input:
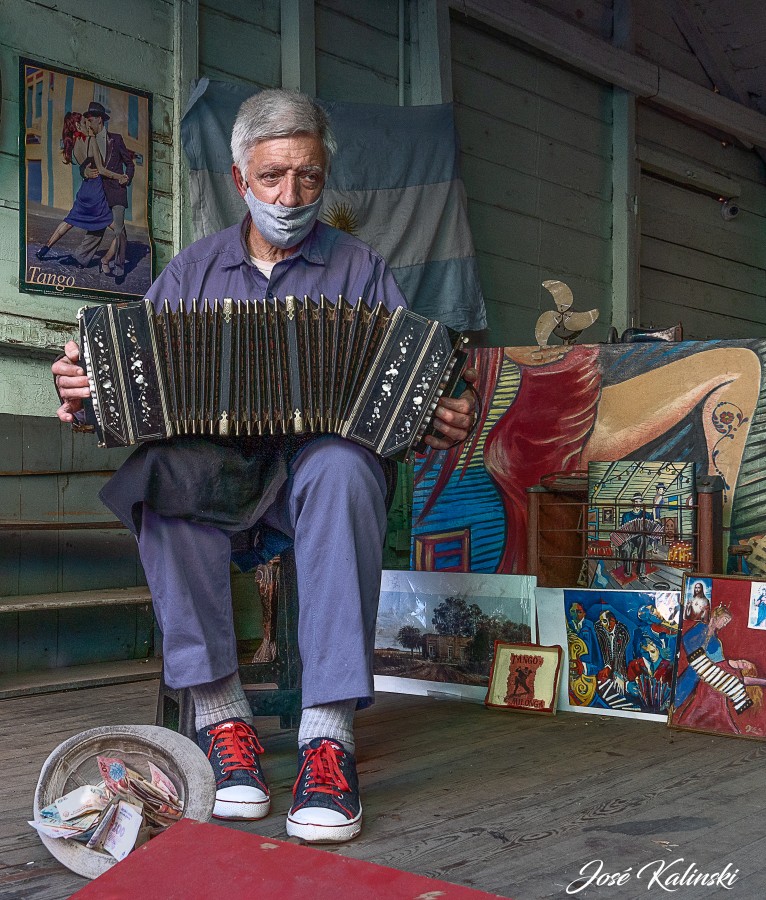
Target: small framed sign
[{"x": 525, "y": 677}]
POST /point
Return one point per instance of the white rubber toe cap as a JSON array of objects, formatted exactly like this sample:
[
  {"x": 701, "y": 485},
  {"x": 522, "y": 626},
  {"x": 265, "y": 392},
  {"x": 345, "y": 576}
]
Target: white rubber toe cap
[{"x": 241, "y": 801}]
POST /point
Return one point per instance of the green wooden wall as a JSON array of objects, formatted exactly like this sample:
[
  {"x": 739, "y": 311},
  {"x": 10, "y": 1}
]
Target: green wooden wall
[
  {"x": 696, "y": 267},
  {"x": 536, "y": 161},
  {"x": 127, "y": 43}
]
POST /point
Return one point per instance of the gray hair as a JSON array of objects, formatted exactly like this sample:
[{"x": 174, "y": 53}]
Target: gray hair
[{"x": 277, "y": 113}]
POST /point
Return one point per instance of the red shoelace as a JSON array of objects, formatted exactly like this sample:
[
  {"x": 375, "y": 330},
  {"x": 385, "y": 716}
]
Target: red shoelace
[
  {"x": 236, "y": 745},
  {"x": 325, "y": 773}
]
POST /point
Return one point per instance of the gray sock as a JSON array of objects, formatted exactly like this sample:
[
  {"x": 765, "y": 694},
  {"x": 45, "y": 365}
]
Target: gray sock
[
  {"x": 331, "y": 720},
  {"x": 220, "y": 700}
]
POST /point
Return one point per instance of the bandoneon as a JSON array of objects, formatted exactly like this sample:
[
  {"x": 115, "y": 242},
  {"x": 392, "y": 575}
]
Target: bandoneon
[
  {"x": 266, "y": 367},
  {"x": 720, "y": 680}
]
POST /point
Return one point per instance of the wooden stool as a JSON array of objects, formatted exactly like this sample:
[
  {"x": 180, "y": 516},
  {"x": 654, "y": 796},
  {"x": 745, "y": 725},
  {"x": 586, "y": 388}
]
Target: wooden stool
[{"x": 271, "y": 677}]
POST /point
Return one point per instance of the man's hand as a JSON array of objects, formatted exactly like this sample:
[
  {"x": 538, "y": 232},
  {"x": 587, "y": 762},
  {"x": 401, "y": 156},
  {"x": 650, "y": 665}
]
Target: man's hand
[
  {"x": 71, "y": 382},
  {"x": 454, "y": 417},
  {"x": 90, "y": 172},
  {"x": 122, "y": 179}
]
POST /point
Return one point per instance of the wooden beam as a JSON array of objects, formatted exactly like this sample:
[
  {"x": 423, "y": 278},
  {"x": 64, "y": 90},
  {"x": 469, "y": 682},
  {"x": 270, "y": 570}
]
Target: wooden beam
[
  {"x": 185, "y": 70},
  {"x": 299, "y": 46},
  {"x": 431, "y": 71},
  {"x": 625, "y": 175},
  {"x": 690, "y": 175},
  {"x": 587, "y": 53},
  {"x": 712, "y": 58}
]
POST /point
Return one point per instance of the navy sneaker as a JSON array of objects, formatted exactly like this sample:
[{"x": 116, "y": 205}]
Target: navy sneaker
[
  {"x": 326, "y": 804},
  {"x": 233, "y": 749}
]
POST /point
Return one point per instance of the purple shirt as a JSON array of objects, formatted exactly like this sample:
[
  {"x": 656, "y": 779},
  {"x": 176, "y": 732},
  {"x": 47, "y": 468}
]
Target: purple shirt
[{"x": 329, "y": 262}]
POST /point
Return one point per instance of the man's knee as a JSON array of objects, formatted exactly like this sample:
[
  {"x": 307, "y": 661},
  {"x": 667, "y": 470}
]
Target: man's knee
[{"x": 341, "y": 467}]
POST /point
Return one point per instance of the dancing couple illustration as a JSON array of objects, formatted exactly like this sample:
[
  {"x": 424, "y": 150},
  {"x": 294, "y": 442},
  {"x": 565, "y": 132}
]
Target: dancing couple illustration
[{"x": 107, "y": 168}]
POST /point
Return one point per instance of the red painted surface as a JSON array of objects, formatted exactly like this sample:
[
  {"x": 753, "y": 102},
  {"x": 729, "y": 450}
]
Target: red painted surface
[{"x": 197, "y": 861}]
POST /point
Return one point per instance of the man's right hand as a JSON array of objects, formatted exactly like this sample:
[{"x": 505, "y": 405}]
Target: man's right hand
[{"x": 71, "y": 382}]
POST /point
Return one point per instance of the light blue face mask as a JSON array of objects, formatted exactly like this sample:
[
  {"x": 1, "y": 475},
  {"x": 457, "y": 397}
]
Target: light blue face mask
[{"x": 282, "y": 226}]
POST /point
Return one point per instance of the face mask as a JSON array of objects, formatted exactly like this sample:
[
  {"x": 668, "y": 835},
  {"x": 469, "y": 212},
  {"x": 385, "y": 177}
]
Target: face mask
[{"x": 282, "y": 226}]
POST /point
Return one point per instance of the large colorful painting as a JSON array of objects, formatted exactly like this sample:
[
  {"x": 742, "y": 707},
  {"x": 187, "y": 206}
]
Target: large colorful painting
[
  {"x": 556, "y": 409},
  {"x": 641, "y": 524},
  {"x": 621, "y": 647},
  {"x": 84, "y": 186},
  {"x": 721, "y": 666},
  {"x": 436, "y": 633}
]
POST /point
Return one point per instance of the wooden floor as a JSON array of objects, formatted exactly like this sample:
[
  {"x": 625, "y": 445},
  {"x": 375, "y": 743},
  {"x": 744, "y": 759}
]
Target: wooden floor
[{"x": 512, "y": 804}]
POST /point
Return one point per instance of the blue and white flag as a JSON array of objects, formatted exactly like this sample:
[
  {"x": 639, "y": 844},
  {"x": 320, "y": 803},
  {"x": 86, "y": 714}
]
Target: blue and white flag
[{"x": 394, "y": 183}]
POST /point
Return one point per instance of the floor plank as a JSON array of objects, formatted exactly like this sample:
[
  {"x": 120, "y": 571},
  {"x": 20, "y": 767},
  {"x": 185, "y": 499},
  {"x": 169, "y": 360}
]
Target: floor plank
[{"x": 508, "y": 803}]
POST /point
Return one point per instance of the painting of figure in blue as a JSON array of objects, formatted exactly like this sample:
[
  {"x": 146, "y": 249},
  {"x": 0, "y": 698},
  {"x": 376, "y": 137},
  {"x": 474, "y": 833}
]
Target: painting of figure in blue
[{"x": 622, "y": 645}]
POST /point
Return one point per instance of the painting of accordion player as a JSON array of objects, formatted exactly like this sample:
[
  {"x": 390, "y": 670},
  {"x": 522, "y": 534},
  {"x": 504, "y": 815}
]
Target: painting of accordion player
[
  {"x": 621, "y": 647},
  {"x": 641, "y": 524},
  {"x": 721, "y": 658}
]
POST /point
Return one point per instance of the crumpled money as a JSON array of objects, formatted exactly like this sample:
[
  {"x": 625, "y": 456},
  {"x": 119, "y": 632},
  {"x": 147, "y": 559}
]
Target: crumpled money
[{"x": 119, "y": 813}]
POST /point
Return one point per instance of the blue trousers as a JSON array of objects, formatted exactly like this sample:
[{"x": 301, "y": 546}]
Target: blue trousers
[{"x": 333, "y": 507}]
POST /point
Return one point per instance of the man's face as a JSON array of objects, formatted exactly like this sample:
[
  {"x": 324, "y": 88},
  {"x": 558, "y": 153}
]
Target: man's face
[
  {"x": 607, "y": 621},
  {"x": 651, "y": 648},
  {"x": 95, "y": 122},
  {"x": 576, "y": 612},
  {"x": 288, "y": 171}
]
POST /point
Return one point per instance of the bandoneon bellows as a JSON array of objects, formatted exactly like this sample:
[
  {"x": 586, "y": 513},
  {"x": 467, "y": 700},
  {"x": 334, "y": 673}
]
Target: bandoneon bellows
[{"x": 263, "y": 367}]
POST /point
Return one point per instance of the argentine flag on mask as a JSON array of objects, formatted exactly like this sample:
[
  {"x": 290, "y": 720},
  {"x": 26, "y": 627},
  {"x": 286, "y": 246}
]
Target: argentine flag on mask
[{"x": 394, "y": 183}]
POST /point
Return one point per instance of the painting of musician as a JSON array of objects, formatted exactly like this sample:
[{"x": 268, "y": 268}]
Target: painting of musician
[
  {"x": 636, "y": 544},
  {"x": 650, "y": 674},
  {"x": 721, "y": 665},
  {"x": 631, "y": 671}
]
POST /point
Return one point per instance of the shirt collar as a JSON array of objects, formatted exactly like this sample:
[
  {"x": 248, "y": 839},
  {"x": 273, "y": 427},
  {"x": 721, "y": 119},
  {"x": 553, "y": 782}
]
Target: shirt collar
[{"x": 237, "y": 254}]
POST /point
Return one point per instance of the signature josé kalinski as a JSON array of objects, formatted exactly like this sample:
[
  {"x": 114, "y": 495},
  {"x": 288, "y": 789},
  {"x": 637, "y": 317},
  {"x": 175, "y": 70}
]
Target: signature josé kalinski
[{"x": 667, "y": 875}]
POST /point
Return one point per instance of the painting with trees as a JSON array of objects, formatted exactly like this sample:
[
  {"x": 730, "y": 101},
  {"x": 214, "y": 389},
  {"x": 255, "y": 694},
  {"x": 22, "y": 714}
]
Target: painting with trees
[{"x": 436, "y": 632}]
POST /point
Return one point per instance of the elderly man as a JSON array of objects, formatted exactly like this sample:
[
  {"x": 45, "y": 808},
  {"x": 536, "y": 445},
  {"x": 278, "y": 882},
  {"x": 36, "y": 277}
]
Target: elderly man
[{"x": 184, "y": 497}]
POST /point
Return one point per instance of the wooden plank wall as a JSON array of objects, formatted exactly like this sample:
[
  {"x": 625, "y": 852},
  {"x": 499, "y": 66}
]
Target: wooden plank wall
[
  {"x": 128, "y": 45},
  {"x": 536, "y": 150},
  {"x": 357, "y": 56},
  {"x": 658, "y": 38},
  {"x": 240, "y": 41},
  {"x": 696, "y": 268},
  {"x": 62, "y": 485}
]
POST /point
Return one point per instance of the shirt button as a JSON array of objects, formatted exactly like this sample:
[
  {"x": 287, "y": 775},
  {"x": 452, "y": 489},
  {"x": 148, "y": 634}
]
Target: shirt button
[{"x": 270, "y": 295}]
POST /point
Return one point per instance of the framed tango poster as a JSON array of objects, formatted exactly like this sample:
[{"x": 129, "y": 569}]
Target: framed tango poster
[{"x": 84, "y": 186}]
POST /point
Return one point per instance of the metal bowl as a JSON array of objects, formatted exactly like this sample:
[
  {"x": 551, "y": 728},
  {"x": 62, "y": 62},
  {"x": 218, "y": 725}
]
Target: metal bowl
[{"x": 74, "y": 763}]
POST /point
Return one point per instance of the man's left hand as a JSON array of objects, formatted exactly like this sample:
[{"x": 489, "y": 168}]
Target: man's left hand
[{"x": 454, "y": 417}]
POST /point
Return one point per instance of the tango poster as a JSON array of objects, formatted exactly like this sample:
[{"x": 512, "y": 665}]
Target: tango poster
[
  {"x": 84, "y": 186},
  {"x": 721, "y": 659},
  {"x": 641, "y": 524},
  {"x": 621, "y": 647}
]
